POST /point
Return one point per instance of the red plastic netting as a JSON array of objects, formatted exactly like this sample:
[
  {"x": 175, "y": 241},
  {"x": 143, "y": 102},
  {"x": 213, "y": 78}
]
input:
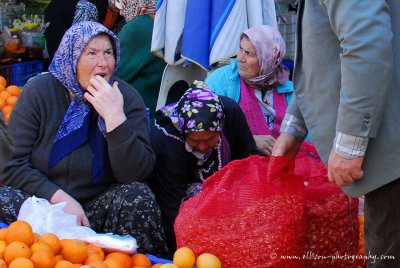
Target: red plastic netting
[
  {"x": 249, "y": 214},
  {"x": 332, "y": 217}
]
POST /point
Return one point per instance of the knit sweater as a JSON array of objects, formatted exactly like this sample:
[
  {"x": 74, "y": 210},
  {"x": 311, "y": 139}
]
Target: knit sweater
[
  {"x": 33, "y": 125},
  {"x": 5, "y": 143}
]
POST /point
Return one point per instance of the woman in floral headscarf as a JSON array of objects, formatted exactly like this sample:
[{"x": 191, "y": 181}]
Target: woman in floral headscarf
[
  {"x": 192, "y": 139},
  {"x": 81, "y": 137},
  {"x": 139, "y": 67},
  {"x": 258, "y": 81}
]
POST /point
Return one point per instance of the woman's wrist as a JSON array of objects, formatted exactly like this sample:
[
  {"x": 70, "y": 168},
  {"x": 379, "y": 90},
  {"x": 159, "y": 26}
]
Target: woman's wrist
[
  {"x": 58, "y": 197},
  {"x": 114, "y": 121}
]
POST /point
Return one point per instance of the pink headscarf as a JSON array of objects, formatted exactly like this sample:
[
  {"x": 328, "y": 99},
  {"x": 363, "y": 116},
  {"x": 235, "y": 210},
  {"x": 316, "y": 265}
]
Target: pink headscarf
[{"x": 270, "y": 50}]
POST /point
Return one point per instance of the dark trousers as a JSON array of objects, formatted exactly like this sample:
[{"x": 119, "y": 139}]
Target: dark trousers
[{"x": 382, "y": 226}]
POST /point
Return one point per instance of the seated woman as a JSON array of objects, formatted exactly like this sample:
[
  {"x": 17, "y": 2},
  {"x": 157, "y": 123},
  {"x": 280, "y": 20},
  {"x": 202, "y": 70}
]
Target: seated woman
[
  {"x": 258, "y": 82},
  {"x": 82, "y": 138},
  {"x": 192, "y": 139}
]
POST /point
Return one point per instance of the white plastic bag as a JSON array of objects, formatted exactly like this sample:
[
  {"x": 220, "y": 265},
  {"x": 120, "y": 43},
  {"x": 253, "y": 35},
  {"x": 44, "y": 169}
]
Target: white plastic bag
[{"x": 48, "y": 218}]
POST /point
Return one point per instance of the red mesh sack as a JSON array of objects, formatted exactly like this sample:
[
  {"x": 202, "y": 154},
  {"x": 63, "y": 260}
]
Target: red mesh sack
[
  {"x": 332, "y": 231},
  {"x": 249, "y": 214}
]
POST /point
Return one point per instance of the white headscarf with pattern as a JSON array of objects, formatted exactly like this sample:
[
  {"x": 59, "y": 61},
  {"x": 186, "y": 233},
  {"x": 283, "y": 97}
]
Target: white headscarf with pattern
[{"x": 131, "y": 9}]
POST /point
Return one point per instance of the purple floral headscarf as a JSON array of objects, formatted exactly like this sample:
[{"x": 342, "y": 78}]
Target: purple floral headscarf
[
  {"x": 270, "y": 49},
  {"x": 199, "y": 109}
]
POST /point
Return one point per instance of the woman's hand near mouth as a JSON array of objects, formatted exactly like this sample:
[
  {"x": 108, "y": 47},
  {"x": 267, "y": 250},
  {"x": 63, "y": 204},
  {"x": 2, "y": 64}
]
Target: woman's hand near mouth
[{"x": 107, "y": 100}]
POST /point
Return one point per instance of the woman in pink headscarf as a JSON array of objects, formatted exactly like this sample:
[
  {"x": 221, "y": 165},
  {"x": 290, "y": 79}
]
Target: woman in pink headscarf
[{"x": 259, "y": 82}]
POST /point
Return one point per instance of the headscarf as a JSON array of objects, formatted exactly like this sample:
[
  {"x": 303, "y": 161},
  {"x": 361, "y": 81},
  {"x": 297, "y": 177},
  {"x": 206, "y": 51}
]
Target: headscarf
[
  {"x": 199, "y": 109},
  {"x": 270, "y": 50},
  {"x": 76, "y": 128},
  {"x": 131, "y": 9},
  {"x": 86, "y": 11}
]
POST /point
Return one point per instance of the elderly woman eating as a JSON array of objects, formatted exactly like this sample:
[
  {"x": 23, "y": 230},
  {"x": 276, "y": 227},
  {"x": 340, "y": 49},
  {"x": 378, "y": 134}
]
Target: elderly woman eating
[
  {"x": 258, "y": 82},
  {"x": 81, "y": 137}
]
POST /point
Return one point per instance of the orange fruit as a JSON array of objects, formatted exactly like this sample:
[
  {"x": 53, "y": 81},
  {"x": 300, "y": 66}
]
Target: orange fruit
[
  {"x": 3, "y": 264},
  {"x": 7, "y": 109},
  {"x": 139, "y": 259},
  {"x": 41, "y": 246},
  {"x": 15, "y": 250},
  {"x": 93, "y": 257},
  {"x": 14, "y": 90},
  {"x": 20, "y": 231},
  {"x": 52, "y": 240},
  {"x": 113, "y": 263},
  {"x": 97, "y": 264},
  {"x": 12, "y": 100},
  {"x": 169, "y": 265},
  {"x": 63, "y": 264},
  {"x": 3, "y": 246},
  {"x": 74, "y": 250},
  {"x": 207, "y": 260},
  {"x": 93, "y": 249},
  {"x": 123, "y": 258},
  {"x": 3, "y": 81},
  {"x": 21, "y": 263},
  {"x": 2, "y": 104},
  {"x": 58, "y": 258},
  {"x": 5, "y": 94},
  {"x": 157, "y": 265},
  {"x": 77, "y": 265},
  {"x": 35, "y": 237},
  {"x": 43, "y": 259},
  {"x": 184, "y": 257},
  {"x": 2, "y": 88},
  {"x": 3, "y": 234},
  {"x": 6, "y": 117}
]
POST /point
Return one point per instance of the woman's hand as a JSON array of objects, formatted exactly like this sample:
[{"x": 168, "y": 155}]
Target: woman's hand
[
  {"x": 73, "y": 207},
  {"x": 286, "y": 145},
  {"x": 264, "y": 143},
  {"x": 108, "y": 101}
]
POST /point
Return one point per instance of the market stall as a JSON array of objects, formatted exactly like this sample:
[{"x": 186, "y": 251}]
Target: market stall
[{"x": 22, "y": 44}]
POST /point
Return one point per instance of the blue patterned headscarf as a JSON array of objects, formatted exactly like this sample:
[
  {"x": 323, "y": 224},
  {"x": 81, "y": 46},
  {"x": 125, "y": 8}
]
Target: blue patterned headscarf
[{"x": 75, "y": 129}]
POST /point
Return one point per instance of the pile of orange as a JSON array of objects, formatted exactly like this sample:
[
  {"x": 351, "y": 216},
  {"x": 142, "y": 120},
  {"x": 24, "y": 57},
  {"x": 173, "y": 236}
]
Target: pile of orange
[
  {"x": 20, "y": 247},
  {"x": 8, "y": 97}
]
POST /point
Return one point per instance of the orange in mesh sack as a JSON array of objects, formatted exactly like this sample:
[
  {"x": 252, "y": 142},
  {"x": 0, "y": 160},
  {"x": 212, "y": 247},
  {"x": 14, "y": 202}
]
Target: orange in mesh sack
[
  {"x": 252, "y": 207},
  {"x": 332, "y": 232}
]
